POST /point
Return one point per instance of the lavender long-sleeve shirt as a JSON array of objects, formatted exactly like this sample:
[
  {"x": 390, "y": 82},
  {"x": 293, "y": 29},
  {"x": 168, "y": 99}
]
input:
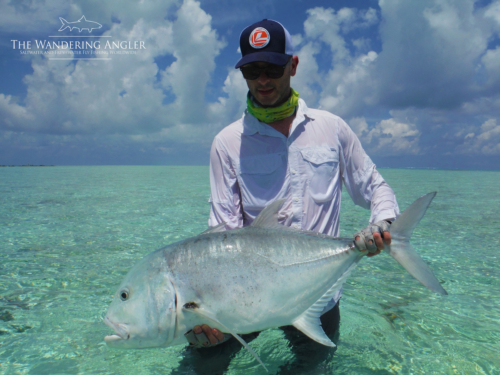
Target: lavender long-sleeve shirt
[{"x": 252, "y": 164}]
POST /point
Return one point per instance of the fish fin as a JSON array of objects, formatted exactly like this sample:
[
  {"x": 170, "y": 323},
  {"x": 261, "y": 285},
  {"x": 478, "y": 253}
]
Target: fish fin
[
  {"x": 311, "y": 327},
  {"x": 309, "y": 323},
  {"x": 218, "y": 228},
  {"x": 405, "y": 223},
  {"x": 209, "y": 316},
  {"x": 401, "y": 250},
  {"x": 64, "y": 24},
  {"x": 268, "y": 217},
  {"x": 82, "y": 18}
]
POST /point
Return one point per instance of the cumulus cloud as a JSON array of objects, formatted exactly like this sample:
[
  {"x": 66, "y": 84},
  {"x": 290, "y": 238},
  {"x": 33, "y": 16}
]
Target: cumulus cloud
[
  {"x": 27, "y": 16},
  {"x": 405, "y": 75},
  {"x": 387, "y": 137},
  {"x": 487, "y": 141},
  {"x": 424, "y": 68},
  {"x": 431, "y": 50},
  {"x": 125, "y": 95},
  {"x": 230, "y": 106},
  {"x": 326, "y": 33}
]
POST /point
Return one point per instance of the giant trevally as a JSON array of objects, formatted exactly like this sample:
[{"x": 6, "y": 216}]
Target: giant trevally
[{"x": 271, "y": 276}]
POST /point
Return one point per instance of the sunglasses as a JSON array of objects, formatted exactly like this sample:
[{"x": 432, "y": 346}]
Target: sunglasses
[{"x": 271, "y": 71}]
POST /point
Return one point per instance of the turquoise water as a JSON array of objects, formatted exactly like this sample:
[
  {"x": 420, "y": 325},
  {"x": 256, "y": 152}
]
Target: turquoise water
[{"x": 69, "y": 234}]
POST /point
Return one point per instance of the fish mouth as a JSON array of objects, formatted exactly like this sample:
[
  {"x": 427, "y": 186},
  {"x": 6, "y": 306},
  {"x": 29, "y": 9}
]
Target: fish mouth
[{"x": 120, "y": 329}]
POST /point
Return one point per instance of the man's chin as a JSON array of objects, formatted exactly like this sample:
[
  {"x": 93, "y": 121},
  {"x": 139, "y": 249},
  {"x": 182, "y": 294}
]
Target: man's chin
[{"x": 266, "y": 100}]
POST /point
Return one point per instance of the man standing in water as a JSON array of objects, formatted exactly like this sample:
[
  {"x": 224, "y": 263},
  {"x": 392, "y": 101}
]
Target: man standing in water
[{"x": 280, "y": 148}]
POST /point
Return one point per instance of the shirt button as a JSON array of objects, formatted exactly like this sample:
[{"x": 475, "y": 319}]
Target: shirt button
[
  {"x": 296, "y": 199},
  {"x": 294, "y": 171},
  {"x": 295, "y": 225}
]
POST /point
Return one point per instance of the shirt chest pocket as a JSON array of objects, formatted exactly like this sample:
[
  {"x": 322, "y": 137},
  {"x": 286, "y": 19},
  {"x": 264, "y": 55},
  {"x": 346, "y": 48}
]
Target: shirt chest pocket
[{"x": 322, "y": 170}]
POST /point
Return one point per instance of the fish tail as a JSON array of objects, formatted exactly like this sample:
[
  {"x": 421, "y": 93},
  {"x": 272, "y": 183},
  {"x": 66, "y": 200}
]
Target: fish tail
[
  {"x": 65, "y": 24},
  {"x": 401, "y": 250}
]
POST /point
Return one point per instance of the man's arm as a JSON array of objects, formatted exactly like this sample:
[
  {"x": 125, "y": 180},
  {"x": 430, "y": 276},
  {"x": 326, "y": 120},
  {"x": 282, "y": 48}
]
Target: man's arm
[
  {"x": 367, "y": 189},
  {"x": 225, "y": 202}
]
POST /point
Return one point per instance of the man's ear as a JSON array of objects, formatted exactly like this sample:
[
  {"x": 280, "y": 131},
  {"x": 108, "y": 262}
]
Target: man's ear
[{"x": 294, "y": 64}]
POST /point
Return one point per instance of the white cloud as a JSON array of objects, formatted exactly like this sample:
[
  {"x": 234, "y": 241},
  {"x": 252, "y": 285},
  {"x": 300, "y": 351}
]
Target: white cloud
[
  {"x": 487, "y": 141},
  {"x": 431, "y": 50},
  {"x": 348, "y": 72},
  {"x": 425, "y": 66},
  {"x": 31, "y": 16},
  {"x": 296, "y": 41},
  {"x": 491, "y": 63},
  {"x": 229, "y": 108},
  {"x": 433, "y": 62},
  {"x": 387, "y": 137},
  {"x": 12, "y": 110},
  {"x": 324, "y": 25},
  {"x": 195, "y": 46},
  {"x": 493, "y": 11},
  {"x": 307, "y": 76},
  {"x": 124, "y": 95},
  {"x": 347, "y": 87}
]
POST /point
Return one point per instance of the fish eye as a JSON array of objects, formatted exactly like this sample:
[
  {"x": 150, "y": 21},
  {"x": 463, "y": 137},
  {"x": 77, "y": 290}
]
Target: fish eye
[{"x": 124, "y": 295}]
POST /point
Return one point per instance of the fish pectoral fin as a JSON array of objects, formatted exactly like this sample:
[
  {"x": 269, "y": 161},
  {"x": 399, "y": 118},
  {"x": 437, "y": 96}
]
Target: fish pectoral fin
[
  {"x": 218, "y": 228},
  {"x": 311, "y": 327},
  {"x": 207, "y": 315}
]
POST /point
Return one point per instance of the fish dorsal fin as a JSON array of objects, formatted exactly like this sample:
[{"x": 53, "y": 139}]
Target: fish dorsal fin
[
  {"x": 218, "y": 228},
  {"x": 207, "y": 315},
  {"x": 82, "y": 18},
  {"x": 308, "y": 322},
  {"x": 268, "y": 217}
]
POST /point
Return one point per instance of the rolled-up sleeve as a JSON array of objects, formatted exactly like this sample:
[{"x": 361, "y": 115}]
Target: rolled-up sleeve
[
  {"x": 225, "y": 195},
  {"x": 364, "y": 183}
]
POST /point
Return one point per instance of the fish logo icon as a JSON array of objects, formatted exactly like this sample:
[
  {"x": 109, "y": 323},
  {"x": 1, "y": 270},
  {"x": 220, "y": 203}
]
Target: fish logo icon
[
  {"x": 81, "y": 24},
  {"x": 259, "y": 38}
]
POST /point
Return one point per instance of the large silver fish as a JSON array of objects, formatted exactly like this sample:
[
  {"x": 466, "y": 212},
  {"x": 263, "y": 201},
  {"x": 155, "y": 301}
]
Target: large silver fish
[{"x": 247, "y": 280}]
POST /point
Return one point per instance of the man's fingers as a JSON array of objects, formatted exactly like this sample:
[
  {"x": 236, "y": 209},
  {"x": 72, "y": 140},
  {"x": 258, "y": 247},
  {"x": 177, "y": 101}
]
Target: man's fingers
[
  {"x": 370, "y": 243},
  {"x": 378, "y": 241},
  {"x": 360, "y": 242},
  {"x": 204, "y": 336},
  {"x": 208, "y": 331},
  {"x": 387, "y": 237},
  {"x": 373, "y": 254},
  {"x": 218, "y": 334}
]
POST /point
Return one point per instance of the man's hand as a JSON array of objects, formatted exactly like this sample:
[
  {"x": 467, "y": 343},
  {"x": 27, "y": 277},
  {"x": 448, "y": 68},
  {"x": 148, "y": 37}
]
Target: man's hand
[
  {"x": 203, "y": 336},
  {"x": 373, "y": 237}
]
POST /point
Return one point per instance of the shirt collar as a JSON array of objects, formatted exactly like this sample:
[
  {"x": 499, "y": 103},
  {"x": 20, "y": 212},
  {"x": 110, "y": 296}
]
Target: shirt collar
[{"x": 251, "y": 125}]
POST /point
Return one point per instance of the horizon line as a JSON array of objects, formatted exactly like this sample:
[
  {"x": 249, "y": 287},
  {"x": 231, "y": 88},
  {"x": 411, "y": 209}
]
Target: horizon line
[{"x": 206, "y": 165}]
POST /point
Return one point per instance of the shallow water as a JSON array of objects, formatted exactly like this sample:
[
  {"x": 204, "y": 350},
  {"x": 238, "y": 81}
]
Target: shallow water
[{"x": 69, "y": 234}]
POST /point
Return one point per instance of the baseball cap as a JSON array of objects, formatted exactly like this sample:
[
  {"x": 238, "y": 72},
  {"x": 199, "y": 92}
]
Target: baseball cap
[{"x": 265, "y": 41}]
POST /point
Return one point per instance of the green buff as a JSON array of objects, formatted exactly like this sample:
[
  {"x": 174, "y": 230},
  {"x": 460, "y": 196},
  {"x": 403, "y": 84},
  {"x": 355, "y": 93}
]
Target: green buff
[{"x": 272, "y": 114}]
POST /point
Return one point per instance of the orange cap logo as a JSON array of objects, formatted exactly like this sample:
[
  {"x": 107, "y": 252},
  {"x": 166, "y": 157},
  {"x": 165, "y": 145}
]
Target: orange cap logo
[{"x": 259, "y": 38}]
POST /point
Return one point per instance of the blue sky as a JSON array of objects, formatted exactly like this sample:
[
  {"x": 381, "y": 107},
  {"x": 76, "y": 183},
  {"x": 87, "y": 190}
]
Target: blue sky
[{"x": 418, "y": 81}]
